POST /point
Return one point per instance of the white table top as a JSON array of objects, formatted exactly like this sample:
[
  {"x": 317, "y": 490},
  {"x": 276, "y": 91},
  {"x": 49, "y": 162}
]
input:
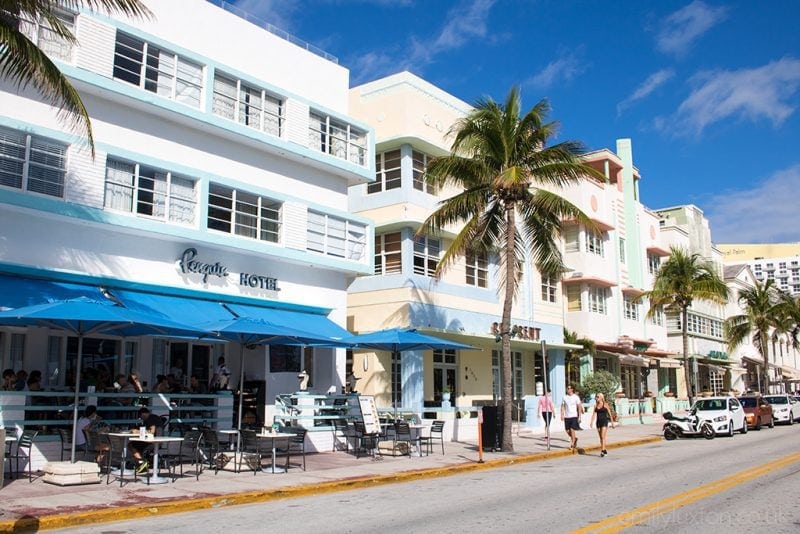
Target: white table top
[
  {"x": 11, "y": 438},
  {"x": 148, "y": 439},
  {"x": 230, "y": 431},
  {"x": 275, "y": 435}
]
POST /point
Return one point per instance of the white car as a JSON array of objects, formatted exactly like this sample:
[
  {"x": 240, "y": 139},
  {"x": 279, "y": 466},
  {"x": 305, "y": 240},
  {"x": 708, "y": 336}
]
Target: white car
[
  {"x": 785, "y": 408},
  {"x": 725, "y": 413}
]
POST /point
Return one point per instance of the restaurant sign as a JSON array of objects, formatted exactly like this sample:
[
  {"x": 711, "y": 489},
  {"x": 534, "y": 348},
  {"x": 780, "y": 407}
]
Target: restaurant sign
[{"x": 189, "y": 264}]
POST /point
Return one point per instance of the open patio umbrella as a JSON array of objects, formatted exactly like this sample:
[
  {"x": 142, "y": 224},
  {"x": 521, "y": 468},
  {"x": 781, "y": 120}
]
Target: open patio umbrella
[
  {"x": 83, "y": 317},
  {"x": 248, "y": 331},
  {"x": 397, "y": 340}
]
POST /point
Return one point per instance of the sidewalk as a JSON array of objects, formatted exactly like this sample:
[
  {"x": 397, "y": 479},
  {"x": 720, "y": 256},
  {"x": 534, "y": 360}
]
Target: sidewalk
[{"x": 30, "y": 506}]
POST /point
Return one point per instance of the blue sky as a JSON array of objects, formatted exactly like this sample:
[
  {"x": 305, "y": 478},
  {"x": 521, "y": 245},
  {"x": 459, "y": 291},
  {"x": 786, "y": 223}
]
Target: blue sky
[{"x": 708, "y": 91}]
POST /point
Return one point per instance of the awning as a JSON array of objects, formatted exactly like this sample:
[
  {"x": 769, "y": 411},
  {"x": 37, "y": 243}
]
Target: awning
[
  {"x": 17, "y": 291},
  {"x": 627, "y": 359},
  {"x": 190, "y": 311},
  {"x": 310, "y": 322},
  {"x": 668, "y": 363}
]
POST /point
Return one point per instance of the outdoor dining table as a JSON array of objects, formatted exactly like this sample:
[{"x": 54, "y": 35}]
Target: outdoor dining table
[
  {"x": 417, "y": 430},
  {"x": 157, "y": 441},
  {"x": 273, "y": 436},
  {"x": 230, "y": 433}
]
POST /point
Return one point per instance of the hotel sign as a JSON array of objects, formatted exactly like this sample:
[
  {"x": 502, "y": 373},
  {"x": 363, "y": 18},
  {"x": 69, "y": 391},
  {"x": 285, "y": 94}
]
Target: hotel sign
[{"x": 189, "y": 264}]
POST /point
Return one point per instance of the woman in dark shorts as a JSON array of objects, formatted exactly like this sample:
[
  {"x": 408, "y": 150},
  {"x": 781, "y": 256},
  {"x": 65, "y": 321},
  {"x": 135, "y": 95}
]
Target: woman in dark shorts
[{"x": 601, "y": 418}]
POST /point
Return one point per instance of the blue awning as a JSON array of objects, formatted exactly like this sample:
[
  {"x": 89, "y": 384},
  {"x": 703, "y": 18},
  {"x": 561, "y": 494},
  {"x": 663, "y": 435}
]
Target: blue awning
[
  {"x": 310, "y": 322},
  {"x": 194, "y": 312},
  {"x": 18, "y": 291}
]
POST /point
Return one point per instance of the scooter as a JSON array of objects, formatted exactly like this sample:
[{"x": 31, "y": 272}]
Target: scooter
[{"x": 685, "y": 427}]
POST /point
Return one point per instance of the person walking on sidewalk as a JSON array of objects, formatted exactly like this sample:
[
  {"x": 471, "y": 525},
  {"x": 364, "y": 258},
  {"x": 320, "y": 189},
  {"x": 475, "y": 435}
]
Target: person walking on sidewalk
[
  {"x": 546, "y": 410},
  {"x": 571, "y": 410},
  {"x": 600, "y": 418}
]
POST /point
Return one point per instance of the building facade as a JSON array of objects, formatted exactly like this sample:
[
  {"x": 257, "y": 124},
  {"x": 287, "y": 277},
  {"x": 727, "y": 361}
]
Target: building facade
[
  {"x": 218, "y": 188},
  {"x": 779, "y": 262},
  {"x": 411, "y": 118}
]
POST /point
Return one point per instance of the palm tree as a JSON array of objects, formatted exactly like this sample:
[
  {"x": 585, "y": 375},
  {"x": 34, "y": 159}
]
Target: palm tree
[
  {"x": 498, "y": 163},
  {"x": 681, "y": 280},
  {"x": 763, "y": 310},
  {"x": 23, "y": 63},
  {"x": 573, "y": 355}
]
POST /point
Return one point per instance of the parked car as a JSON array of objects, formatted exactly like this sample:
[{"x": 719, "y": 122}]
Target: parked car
[
  {"x": 725, "y": 413},
  {"x": 785, "y": 408},
  {"x": 757, "y": 411}
]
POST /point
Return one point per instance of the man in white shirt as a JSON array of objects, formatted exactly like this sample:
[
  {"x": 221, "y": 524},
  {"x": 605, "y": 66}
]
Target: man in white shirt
[{"x": 571, "y": 410}]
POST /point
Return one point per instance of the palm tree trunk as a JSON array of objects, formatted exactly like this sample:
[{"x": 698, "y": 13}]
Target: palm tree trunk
[
  {"x": 505, "y": 329},
  {"x": 765, "y": 370},
  {"x": 686, "y": 370}
]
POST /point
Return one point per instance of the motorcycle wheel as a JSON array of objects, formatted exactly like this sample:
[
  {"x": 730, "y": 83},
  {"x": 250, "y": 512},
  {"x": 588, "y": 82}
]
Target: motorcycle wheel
[
  {"x": 707, "y": 431},
  {"x": 772, "y": 422},
  {"x": 758, "y": 424},
  {"x": 744, "y": 427},
  {"x": 670, "y": 434},
  {"x": 730, "y": 429}
]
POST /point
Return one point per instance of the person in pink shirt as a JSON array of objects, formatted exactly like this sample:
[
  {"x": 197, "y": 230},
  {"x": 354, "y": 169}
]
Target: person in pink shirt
[{"x": 546, "y": 409}]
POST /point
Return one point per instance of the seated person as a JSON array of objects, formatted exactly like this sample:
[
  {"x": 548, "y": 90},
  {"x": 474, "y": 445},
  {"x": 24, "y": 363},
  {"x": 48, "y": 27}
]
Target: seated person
[
  {"x": 85, "y": 423},
  {"x": 133, "y": 380},
  {"x": 196, "y": 386},
  {"x": 152, "y": 423},
  {"x": 9, "y": 380},
  {"x": 162, "y": 385}
]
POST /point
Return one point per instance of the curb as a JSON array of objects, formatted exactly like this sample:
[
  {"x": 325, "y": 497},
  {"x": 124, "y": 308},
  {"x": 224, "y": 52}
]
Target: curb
[{"x": 48, "y": 522}]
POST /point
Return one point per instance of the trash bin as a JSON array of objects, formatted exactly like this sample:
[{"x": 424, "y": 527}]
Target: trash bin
[{"x": 492, "y": 428}]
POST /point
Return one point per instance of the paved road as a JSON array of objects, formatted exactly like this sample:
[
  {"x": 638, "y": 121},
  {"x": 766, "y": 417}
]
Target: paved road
[{"x": 635, "y": 484}]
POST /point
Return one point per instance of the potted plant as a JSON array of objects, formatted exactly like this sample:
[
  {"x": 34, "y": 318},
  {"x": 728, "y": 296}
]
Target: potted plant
[{"x": 446, "y": 393}]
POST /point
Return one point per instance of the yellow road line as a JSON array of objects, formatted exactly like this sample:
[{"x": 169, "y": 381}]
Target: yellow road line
[{"x": 670, "y": 504}]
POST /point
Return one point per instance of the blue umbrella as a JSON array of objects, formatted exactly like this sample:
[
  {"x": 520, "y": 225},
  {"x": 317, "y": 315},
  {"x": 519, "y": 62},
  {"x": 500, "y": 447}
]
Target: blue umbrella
[
  {"x": 398, "y": 340},
  {"x": 83, "y": 317},
  {"x": 253, "y": 331}
]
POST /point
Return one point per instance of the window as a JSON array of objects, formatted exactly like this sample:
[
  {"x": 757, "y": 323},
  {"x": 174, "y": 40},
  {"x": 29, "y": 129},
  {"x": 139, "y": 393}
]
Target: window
[
  {"x": 594, "y": 242},
  {"x": 420, "y": 163},
  {"x": 337, "y": 138},
  {"x": 574, "y": 297},
  {"x": 597, "y": 299},
  {"x": 658, "y": 316},
  {"x": 549, "y": 288},
  {"x": 426, "y": 255},
  {"x": 335, "y": 236},
  {"x": 397, "y": 379},
  {"x": 144, "y": 190},
  {"x": 387, "y": 172},
  {"x": 571, "y": 235},
  {"x": 243, "y": 214},
  {"x": 49, "y": 42},
  {"x": 157, "y": 71},
  {"x": 631, "y": 308},
  {"x": 247, "y": 105},
  {"x": 388, "y": 256},
  {"x": 477, "y": 267},
  {"x": 285, "y": 358},
  {"x": 32, "y": 163},
  {"x": 653, "y": 263},
  {"x": 622, "y": 250}
]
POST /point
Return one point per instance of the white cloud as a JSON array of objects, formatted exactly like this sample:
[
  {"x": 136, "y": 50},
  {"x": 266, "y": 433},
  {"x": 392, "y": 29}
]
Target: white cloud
[
  {"x": 772, "y": 203},
  {"x": 653, "y": 82},
  {"x": 746, "y": 94},
  {"x": 682, "y": 28},
  {"x": 563, "y": 69},
  {"x": 465, "y": 22}
]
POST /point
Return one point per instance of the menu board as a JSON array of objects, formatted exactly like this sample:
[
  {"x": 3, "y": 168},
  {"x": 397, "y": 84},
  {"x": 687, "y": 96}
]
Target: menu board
[{"x": 369, "y": 413}]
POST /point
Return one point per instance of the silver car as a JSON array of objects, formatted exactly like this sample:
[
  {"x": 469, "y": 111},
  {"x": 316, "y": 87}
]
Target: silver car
[{"x": 785, "y": 408}]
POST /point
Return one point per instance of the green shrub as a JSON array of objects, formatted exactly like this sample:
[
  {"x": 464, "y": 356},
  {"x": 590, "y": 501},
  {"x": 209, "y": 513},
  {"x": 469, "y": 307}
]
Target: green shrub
[{"x": 599, "y": 382}]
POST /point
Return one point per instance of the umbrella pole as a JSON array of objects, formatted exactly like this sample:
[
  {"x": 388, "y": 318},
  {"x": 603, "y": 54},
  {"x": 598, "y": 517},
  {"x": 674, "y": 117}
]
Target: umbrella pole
[
  {"x": 241, "y": 384},
  {"x": 396, "y": 358},
  {"x": 77, "y": 399}
]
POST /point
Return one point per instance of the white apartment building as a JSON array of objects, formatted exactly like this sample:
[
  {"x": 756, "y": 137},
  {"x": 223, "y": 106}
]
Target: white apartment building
[
  {"x": 219, "y": 186},
  {"x": 687, "y": 227}
]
